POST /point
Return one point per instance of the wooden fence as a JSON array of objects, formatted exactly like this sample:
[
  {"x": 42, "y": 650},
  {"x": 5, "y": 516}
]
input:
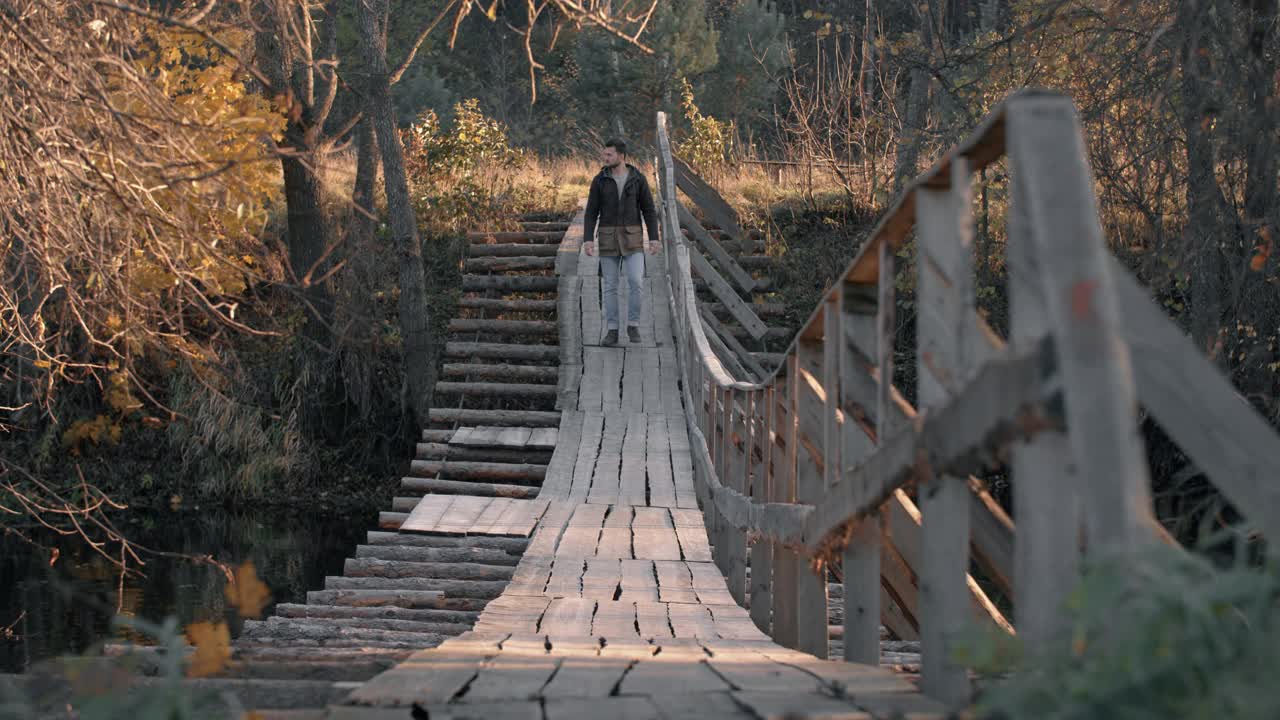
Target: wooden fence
[{"x": 808, "y": 468}]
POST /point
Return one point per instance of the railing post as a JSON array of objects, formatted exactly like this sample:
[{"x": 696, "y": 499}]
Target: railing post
[
  {"x": 811, "y": 587},
  {"x": 861, "y": 559},
  {"x": 786, "y": 562},
  {"x": 762, "y": 491},
  {"x": 736, "y": 479},
  {"x": 1046, "y": 502},
  {"x": 1046, "y": 148},
  {"x": 945, "y": 296}
]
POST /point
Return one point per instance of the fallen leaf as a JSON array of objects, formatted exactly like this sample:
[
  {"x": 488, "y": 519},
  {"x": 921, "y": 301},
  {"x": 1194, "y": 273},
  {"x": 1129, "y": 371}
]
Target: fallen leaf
[
  {"x": 213, "y": 648},
  {"x": 247, "y": 593}
]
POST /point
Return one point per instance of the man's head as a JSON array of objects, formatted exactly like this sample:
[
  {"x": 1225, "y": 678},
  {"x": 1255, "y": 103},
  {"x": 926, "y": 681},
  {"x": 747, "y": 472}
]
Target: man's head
[{"x": 614, "y": 153}]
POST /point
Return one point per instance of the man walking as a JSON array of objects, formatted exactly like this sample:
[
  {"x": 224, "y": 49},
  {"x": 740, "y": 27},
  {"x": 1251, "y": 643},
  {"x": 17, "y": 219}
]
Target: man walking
[{"x": 618, "y": 199}]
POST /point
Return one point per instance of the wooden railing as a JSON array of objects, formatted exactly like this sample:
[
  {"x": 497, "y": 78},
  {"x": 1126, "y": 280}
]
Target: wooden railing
[{"x": 803, "y": 466}]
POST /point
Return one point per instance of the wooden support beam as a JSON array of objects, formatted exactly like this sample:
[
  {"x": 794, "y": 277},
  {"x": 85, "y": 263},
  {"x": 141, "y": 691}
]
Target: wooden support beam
[
  {"x": 719, "y": 212},
  {"x": 713, "y": 247},
  {"x": 726, "y": 294},
  {"x": 743, "y": 355}
]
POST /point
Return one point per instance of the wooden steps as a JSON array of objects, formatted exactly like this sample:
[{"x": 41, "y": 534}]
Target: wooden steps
[{"x": 490, "y": 438}]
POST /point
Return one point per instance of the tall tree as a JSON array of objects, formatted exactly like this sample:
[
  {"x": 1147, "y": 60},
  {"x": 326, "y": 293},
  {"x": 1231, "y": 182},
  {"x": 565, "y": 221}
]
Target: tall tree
[{"x": 415, "y": 316}]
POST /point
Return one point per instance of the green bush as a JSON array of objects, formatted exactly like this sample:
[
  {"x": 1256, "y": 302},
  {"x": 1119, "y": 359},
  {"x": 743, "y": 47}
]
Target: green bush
[{"x": 1164, "y": 635}]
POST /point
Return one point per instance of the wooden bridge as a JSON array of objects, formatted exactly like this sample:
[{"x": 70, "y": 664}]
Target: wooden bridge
[{"x": 676, "y": 535}]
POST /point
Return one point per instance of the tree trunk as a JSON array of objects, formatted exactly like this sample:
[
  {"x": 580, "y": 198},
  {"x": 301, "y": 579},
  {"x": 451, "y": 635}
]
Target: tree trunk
[
  {"x": 415, "y": 317},
  {"x": 917, "y": 110},
  {"x": 365, "y": 221},
  {"x": 1206, "y": 204},
  {"x": 310, "y": 238}
]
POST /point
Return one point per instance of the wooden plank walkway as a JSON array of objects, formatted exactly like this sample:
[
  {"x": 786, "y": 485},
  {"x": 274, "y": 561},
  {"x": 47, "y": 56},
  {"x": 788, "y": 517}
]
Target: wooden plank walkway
[{"x": 616, "y": 609}]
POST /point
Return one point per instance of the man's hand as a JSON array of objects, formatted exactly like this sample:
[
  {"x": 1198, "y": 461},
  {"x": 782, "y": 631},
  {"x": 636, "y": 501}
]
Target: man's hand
[
  {"x": 654, "y": 247},
  {"x": 590, "y": 247}
]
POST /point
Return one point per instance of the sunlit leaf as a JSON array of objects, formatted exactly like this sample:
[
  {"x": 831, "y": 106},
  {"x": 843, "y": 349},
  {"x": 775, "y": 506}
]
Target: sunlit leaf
[
  {"x": 246, "y": 592},
  {"x": 212, "y": 642}
]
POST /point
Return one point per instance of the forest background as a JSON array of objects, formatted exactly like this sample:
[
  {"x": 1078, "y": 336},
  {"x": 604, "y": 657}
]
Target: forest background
[{"x": 211, "y": 294}]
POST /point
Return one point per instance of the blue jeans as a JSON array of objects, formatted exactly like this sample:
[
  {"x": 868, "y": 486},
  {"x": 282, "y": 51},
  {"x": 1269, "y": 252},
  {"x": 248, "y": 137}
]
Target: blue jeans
[{"x": 635, "y": 279}]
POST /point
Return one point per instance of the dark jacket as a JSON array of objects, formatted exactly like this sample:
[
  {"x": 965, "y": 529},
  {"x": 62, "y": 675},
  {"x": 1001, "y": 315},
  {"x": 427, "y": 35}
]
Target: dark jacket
[{"x": 619, "y": 220}]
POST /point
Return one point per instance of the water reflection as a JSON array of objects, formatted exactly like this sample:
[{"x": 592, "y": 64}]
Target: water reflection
[{"x": 67, "y": 607}]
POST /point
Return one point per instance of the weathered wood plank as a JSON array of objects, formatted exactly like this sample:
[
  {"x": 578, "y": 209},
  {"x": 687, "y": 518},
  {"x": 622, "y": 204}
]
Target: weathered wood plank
[
  {"x": 427, "y": 513},
  {"x": 632, "y": 489},
  {"x": 588, "y": 450},
  {"x": 633, "y": 379},
  {"x": 567, "y": 616},
  {"x": 606, "y": 477},
  {"x": 657, "y": 463},
  {"x": 582, "y": 534},
  {"x": 509, "y": 678},
  {"x": 654, "y": 535},
  {"x": 638, "y": 581},
  {"x": 692, "y": 534},
  {"x": 600, "y": 581},
  {"x": 585, "y": 677},
  {"x": 615, "y": 538},
  {"x": 675, "y": 584},
  {"x": 652, "y": 619},
  {"x": 558, "y": 480}
]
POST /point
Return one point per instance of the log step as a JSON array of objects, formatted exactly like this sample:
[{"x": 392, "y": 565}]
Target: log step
[
  {"x": 521, "y": 236},
  {"x": 339, "y": 612},
  {"x": 756, "y": 262},
  {"x": 513, "y": 250},
  {"x": 481, "y": 471},
  {"x": 293, "y": 630},
  {"x": 484, "y": 556},
  {"x": 505, "y": 305},
  {"x": 522, "y": 373},
  {"x": 472, "y": 589},
  {"x": 504, "y": 327},
  {"x": 349, "y": 670},
  {"x": 544, "y": 226},
  {"x": 763, "y": 284},
  {"x": 510, "y": 283},
  {"x": 485, "y": 389},
  {"x": 768, "y": 309},
  {"x": 770, "y": 360},
  {"x": 508, "y": 264},
  {"x": 444, "y": 451},
  {"x": 515, "y": 546},
  {"x": 436, "y": 486},
  {"x": 280, "y": 627},
  {"x": 375, "y": 568},
  {"x": 507, "y": 351},
  {"x": 506, "y": 418}
]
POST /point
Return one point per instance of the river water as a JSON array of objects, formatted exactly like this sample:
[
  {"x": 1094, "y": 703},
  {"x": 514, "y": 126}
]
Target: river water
[{"x": 67, "y": 607}]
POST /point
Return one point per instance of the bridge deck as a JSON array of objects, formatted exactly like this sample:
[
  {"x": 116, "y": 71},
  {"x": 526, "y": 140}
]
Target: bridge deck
[{"x": 615, "y": 609}]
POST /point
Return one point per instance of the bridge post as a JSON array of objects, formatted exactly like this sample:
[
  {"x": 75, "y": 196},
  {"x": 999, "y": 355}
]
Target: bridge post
[
  {"x": 762, "y": 491},
  {"x": 945, "y": 298},
  {"x": 786, "y": 561},
  {"x": 811, "y": 587},
  {"x": 734, "y": 478},
  {"x": 861, "y": 560},
  {"x": 1046, "y": 502},
  {"x": 1046, "y": 148}
]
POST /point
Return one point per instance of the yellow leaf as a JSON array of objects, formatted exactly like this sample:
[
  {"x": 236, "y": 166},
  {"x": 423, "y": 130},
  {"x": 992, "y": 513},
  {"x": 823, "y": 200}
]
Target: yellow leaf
[
  {"x": 43, "y": 364},
  {"x": 213, "y": 648},
  {"x": 247, "y": 593}
]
